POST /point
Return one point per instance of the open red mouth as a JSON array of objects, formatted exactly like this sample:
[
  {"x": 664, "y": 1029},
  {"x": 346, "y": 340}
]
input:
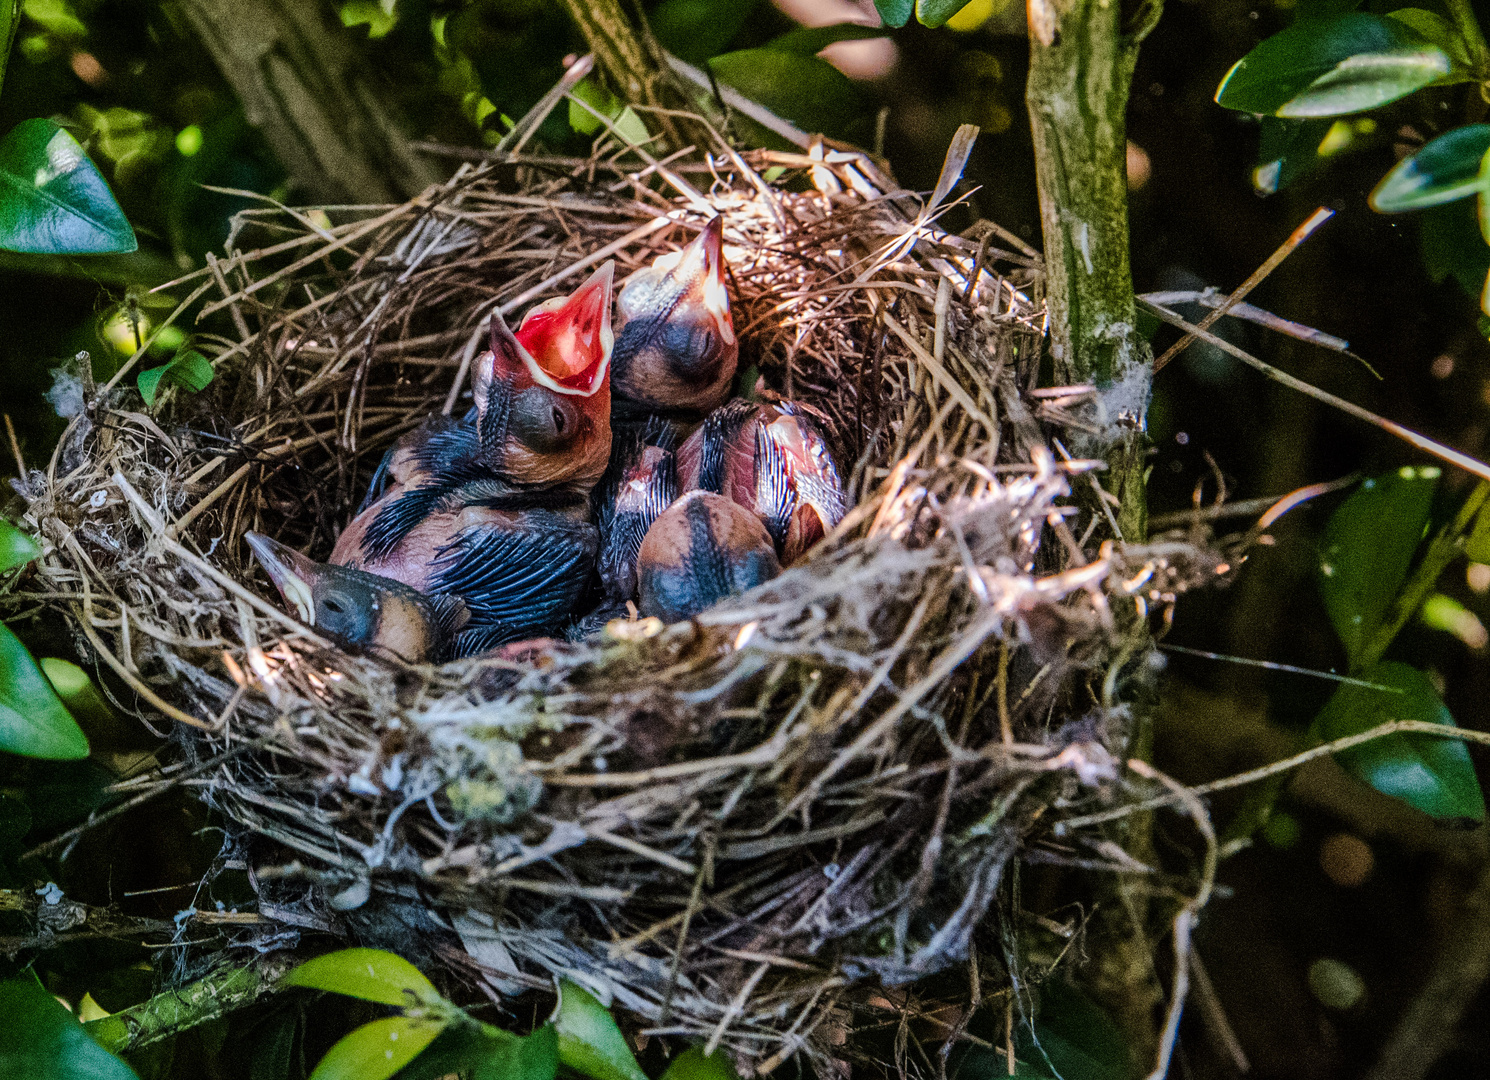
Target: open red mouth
[{"x": 567, "y": 342}]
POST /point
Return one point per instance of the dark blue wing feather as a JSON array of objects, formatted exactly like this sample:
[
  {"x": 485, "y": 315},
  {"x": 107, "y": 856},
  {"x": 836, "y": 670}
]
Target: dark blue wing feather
[{"x": 527, "y": 578}]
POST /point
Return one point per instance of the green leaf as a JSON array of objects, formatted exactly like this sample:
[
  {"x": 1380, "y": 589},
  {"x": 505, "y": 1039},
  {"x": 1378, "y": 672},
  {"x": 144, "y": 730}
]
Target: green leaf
[
  {"x": 378, "y": 1050},
  {"x": 1368, "y": 548},
  {"x": 936, "y": 12},
  {"x": 692, "y": 1065},
  {"x": 41, "y": 1040},
  {"x": 1333, "y": 66},
  {"x": 627, "y": 124},
  {"x": 811, "y": 40},
  {"x": 1448, "y": 168},
  {"x": 190, "y": 370},
  {"x": 1076, "y": 1039},
  {"x": 1477, "y": 544},
  {"x": 1433, "y": 775},
  {"x": 589, "y": 1040},
  {"x": 895, "y": 12},
  {"x": 53, "y": 201},
  {"x": 1450, "y": 240},
  {"x": 33, "y": 720},
  {"x": 805, "y": 90},
  {"x": 369, "y": 974},
  {"x": 698, "y": 29},
  {"x": 1434, "y": 28},
  {"x": 76, "y": 689},
  {"x": 535, "y": 1057},
  {"x": 1286, "y": 150},
  {"x": 17, "y": 547}
]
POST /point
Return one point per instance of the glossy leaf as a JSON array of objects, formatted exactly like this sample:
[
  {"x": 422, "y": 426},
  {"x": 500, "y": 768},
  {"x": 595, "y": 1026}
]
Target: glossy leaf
[
  {"x": 33, "y": 720},
  {"x": 1448, "y": 168},
  {"x": 804, "y": 89},
  {"x": 190, "y": 370},
  {"x": 53, "y": 200},
  {"x": 1434, "y": 28},
  {"x": 17, "y": 547},
  {"x": 41, "y": 1040},
  {"x": 692, "y": 1065},
  {"x": 1286, "y": 150},
  {"x": 1333, "y": 66},
  {"x": 1368, "y": 548},
  {"x": 378, "y": 1050},
  {"x": 589, "y": 1040},
  {"x": 369, "y": 974},
  {"x": 1433, "y": 775},
  {"x": 895, "y": 12},
  {"x": 535, "y": 1057},
  {"x": 937, "y": 12},
  {"x": 698, "y": 29},
  {"x": 811, "y": 40}
]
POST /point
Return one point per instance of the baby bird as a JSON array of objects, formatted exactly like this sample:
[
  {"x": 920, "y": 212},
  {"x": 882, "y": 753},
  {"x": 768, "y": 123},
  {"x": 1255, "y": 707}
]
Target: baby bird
[
  {"x": 519, "y": 573},
  {"x": 640, "y": 484},
  {"x": 772, "y": 460},
  {"x": 702, "y": 549},
  {"x": 676, "y": 349},
  {"x": 538, "y": 438},
  {"x": 360, "y": 609},
  {"x": 543, "y": 396}
]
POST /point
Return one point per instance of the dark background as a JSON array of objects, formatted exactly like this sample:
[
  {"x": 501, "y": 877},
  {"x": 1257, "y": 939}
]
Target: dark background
[{"x": 1338, "y": 873}]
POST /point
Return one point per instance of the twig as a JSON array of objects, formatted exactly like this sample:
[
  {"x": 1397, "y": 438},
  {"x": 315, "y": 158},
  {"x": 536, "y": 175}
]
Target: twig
[
  {"x": 1252, "y": 776},
  {"x": 1297, "y": 237},
  {"x": 1184, "y": 920},
  {"x": 1422, "y": 442},
  {"x": 15, "y": 447},
  {"x": 166, "y": 784},
  {"x": 1273, "y": 507}
]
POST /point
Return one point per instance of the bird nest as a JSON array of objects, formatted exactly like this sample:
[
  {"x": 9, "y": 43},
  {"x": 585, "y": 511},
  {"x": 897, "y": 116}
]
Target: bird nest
[{"x": 744, "y": 829}]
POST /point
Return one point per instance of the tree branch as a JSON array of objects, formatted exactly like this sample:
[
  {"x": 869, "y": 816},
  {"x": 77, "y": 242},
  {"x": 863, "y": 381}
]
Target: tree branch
[
  {"x": 305, "y": 88},
  {"x": 1081, "y": 67}
]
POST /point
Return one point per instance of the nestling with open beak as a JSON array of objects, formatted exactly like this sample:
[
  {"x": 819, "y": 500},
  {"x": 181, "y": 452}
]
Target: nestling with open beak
[
  {"x": 701, "y": 549},
  {"x": 772, "y": 460},
  {"x": 360, "y": 609},
  {"x": 538, "y": 438},
  {"x": 640, "y": 484},
  {"x": 676, "y": 349}
]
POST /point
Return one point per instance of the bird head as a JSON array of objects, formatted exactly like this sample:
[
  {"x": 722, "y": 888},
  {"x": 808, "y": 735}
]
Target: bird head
[
  {"x": 543, "y": 393},
  {"x": 676, "y": 349},
  {"x": 354, "y": 606},
  {"x": 701, "y": 549}
]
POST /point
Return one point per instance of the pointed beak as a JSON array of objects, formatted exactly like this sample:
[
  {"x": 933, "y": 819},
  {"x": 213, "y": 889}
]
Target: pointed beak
[
  {"x": 565, "y": 345},
  {"x": 698, "y": 271},
  {"x": 289, "y": 570}
]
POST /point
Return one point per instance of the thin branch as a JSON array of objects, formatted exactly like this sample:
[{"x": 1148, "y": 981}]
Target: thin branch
[
  {"x": 1252, "y": 776},
  {"x": 1422, "y": 442},
  {"x": 1297, "y": 237}
]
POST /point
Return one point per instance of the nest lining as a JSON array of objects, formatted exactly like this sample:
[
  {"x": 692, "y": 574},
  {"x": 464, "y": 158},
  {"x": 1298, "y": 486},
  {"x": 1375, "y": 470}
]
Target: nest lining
[{"x": 733, "y": 828}]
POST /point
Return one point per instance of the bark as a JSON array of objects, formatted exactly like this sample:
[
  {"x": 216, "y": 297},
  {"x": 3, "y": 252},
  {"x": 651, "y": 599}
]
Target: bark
[
  {"x": 305, "y": 88},
  {"x": 634, "y": 63},
  {"x": 1081, "y": 66}
]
